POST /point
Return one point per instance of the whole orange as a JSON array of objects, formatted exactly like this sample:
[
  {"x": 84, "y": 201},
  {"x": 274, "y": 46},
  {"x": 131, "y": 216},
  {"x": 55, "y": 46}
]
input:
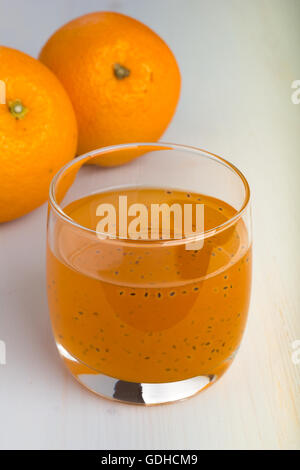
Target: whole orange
[
  {"x": 38, "y": 132},
  {"x": 122, "y": 78}
]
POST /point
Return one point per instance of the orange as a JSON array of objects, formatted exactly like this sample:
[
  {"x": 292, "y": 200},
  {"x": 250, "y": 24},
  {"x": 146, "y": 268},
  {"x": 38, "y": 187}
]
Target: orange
[
  {"x": 122, "y": 78},
  {"x": 38, "y": 132}
]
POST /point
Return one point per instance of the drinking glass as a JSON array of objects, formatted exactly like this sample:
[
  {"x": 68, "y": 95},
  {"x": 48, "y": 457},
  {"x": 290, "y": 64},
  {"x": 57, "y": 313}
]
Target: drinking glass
[{"x": 148, "y": 320}]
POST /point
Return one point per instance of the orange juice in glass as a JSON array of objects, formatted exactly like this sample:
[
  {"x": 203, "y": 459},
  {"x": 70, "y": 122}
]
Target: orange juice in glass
[{"x": 158, "y": 316}]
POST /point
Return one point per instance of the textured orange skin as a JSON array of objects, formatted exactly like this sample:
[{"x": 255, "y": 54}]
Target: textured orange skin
[
  {"x": 109, "y": 111},
  {"x": 33, "y": 148}
]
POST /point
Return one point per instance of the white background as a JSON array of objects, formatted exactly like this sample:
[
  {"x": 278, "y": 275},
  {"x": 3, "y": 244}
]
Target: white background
[{"x": 238, "y": 59}]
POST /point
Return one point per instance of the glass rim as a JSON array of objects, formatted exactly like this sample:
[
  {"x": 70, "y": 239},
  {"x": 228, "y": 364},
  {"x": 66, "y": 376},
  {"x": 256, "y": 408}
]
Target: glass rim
[{"x": 56, "y": 207}]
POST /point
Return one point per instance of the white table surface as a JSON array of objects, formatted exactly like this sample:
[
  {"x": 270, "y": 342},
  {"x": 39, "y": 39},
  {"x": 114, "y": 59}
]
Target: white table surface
[{"x": 238, "y": 59}]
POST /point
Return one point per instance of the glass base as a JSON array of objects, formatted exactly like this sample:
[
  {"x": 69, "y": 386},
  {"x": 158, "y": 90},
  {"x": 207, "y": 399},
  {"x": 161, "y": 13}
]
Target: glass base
[
  {"x": 132, "y": 392},
  {"x": 143, "y": 393}
]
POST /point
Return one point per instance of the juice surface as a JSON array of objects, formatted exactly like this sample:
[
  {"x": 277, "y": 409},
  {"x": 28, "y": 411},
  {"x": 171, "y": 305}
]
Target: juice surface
[{"x": 149, "y": 313}]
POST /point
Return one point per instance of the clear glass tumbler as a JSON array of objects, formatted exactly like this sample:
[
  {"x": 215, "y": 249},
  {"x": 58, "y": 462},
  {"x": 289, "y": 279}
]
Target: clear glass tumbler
[{"x": 148, "y": 319}]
